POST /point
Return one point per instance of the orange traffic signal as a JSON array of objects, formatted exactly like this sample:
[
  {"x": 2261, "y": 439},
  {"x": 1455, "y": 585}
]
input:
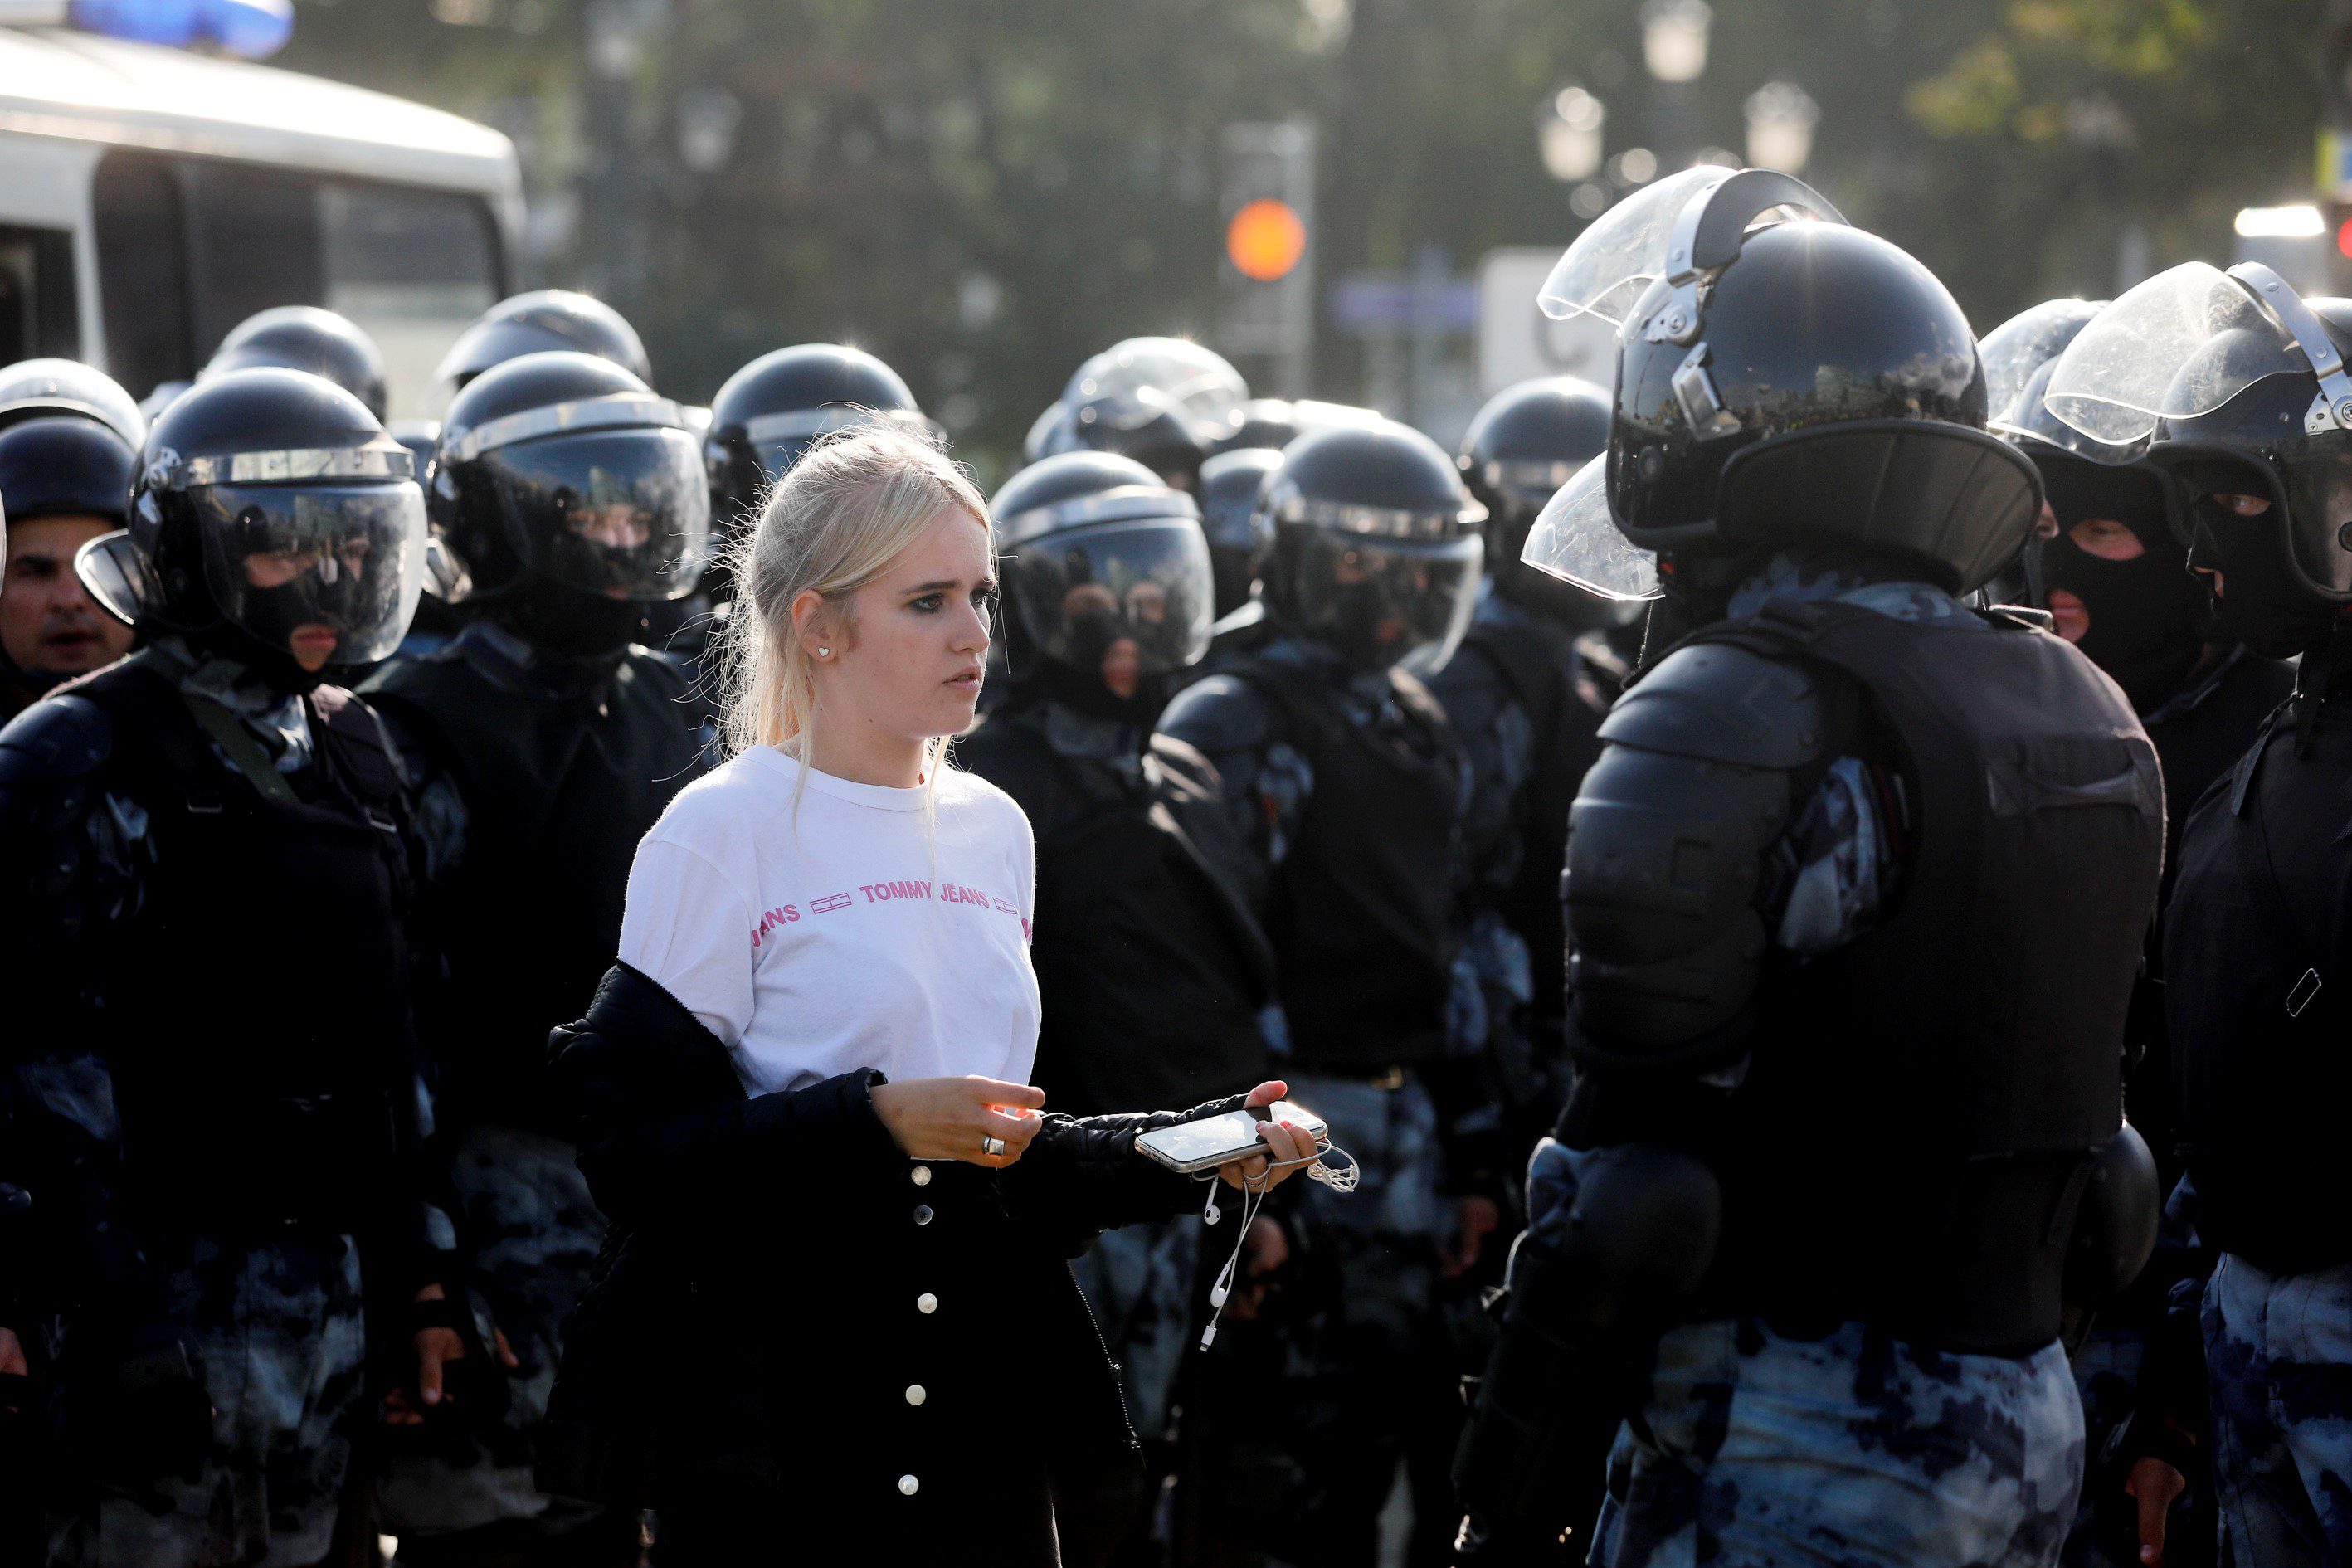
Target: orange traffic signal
[{"x": 1266, "y": 239}]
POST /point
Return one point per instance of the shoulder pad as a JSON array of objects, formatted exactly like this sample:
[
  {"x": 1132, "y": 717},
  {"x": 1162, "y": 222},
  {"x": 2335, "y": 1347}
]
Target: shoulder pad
[
  {"x": 1721, "y": 704},
  {"x": 64, "y": 737},
  {"x": 1221, "y": 715}
]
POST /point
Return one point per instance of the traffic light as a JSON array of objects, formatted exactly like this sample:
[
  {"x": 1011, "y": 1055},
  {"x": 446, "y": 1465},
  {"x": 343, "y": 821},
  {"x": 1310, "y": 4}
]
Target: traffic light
[{"x": 1268, "y": 263}]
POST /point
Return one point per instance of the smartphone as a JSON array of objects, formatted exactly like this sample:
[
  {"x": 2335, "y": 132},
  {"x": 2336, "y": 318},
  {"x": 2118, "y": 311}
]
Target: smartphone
[{"x": 1213, "y": 1140}]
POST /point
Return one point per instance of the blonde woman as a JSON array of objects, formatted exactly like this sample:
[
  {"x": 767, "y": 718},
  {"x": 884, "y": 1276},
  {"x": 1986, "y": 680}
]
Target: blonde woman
[{"x": 833, "y": 1322}]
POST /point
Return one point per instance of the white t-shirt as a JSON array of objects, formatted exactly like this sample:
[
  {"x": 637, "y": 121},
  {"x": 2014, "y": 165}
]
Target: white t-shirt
[{"x": 867, "y": 933}]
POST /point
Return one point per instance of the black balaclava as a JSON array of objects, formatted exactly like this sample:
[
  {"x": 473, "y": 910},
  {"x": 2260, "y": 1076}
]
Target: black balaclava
[
  {"x": 1084, "y": 691},
  {"x": 2148, "y": 616},
  {"x": 2262, "y": 604},
  {"x": 572, "y": 624}
]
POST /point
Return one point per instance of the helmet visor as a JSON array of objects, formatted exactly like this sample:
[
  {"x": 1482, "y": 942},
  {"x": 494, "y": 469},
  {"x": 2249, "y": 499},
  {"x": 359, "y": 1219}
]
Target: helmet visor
[
  {"x": 330, "y": 574},
  {"x": 1382, "y": 601},
  {"x": 625, "y": 513},
  {"x": 2013, "y": 350},
  {"x": 1614, "y": 261},
  {"x": 1576, "y": 539},
  {"x": 1131, "y": 599},
  {"x": 2181, "y": 344},
  {"x": 1199, "y": 380}
]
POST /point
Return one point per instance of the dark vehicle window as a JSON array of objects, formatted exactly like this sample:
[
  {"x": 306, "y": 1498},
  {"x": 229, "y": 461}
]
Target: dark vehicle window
[
  {"x": 189, "y": 247},
  {"x": 143, "y": 271},
  {"x": 37, "y": 311}
]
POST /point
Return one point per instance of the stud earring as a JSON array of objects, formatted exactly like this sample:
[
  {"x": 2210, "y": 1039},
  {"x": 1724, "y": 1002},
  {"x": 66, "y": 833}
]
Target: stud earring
[{"x": 824, "y": 653}]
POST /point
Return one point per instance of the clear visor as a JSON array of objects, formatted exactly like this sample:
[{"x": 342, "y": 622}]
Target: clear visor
[
  {"x": 2181, "y": 344},
  {"x": 1199, "y": 381},
  {"x": 2013, "y": 350},
  {"x": 330, "y": 574},
  {"x": 1614, "y": 261},
  {"x": 1383, "y": 601},
  {"x": 1576, "y": 539},
  {"x": 624, "y": 513},
  {"x": 1132, "y": 599}
]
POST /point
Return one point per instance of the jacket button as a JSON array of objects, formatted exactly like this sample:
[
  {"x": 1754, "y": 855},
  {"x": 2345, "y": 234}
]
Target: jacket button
[
  {"x": 921, "y": 1175},
  {"x": 915, "y": 1395},
  {"x": 926, "y": 1303},
  {"x": 922, "y": 1214},
  {"x": 908, "y": 1485}
]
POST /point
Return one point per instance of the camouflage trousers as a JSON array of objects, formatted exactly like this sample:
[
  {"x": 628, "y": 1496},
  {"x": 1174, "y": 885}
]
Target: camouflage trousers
[
  {"x": 284, "y": 1343},
  {"x": 1756, "y": 1449},
  {"x": 1139, "y": 1281},
  {"x": 2106, "y": 1532},
  {"x": 535, "y": 1232},
  {"x": 2278, "y": 1359},
  {"x": 1372, "y": 1377}
]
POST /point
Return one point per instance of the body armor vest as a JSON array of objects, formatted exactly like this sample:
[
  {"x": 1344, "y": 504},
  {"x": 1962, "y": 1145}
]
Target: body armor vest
[
  {"x": 1922, "y": 1105},
  {"x": 264, "y": 1045},
  {"x": 2258, "y": 998},
  {"x": 1364, "y": 922},
  {"x": 1151, "y": 969},
  {"x": 558, "y": 791}
]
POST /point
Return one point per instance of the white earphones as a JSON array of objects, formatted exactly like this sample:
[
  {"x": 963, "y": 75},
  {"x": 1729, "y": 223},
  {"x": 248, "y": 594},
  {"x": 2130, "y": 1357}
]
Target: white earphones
[{"x": 1339, "y": 1178}]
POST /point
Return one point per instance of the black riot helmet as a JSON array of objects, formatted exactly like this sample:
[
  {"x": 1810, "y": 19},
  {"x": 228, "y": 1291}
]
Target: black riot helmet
[
  {"x": 563, "y": 468},
  {"x": 1233, "y": 484},
  {"x": 1376, "y": 544},
  {"x": 304, "y": 337},
  {"x": 1107, "y": 584},
  {"x": 1527, "y": 442},
  {"x": 1198, "y": 380},
  {"x": 70, "y": 440},
  {"x": 770, "y": 411},
  {"x": 2239, "y": 385},
  {"x": 2106, "y": 558},
  {"x": 1797, "y": 383},
  {"x": 1262, "y": 422},
  {"x": 546, "y": 320},
  {"x": 1142, "y": 423},
  {"x": 37, "y": 389},
  {"x": 273, "y": 520}
]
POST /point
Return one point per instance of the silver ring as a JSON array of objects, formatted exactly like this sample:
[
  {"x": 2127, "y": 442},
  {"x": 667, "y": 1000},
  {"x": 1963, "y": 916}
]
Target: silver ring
[{"x": 991, "y": 1145}]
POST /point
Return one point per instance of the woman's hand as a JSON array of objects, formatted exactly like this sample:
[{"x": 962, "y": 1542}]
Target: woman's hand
[
  {"x": 1288, "y": 1147},
  {"x": 948, "y": 1118}
]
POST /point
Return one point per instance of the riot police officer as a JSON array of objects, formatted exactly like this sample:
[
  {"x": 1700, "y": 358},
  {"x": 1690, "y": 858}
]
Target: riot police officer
[
  {"x": 1525, "y": 711},
  {"x": 1347, "y": 787},
  {"x": 545, "y": 321},
  {"x": 211, "y": 859},
  {"x": 1151, "y": 967},
  {"x": 2239, "y": 383},
  {"x": 1855, "y": 897},
  {"x": 1161, "y": 401},
  {"x": 305, "y": 337},
  {"x": 68, "y": 443},
  {"x": 573, "y": 498},
  {"x": 770, "y": 411}
]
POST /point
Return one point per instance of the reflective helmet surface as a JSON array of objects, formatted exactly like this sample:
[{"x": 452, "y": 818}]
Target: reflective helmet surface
[
  {"x": 769, "y": 412},
  {"x": 543, "y": 322},
  {"x": 304, "y": 337},
  {"x": 32, "y": 388},
  {"x": 1144, "y": 424},
  {"x": 1198, "y": 379},
  {"x": 565, "y": 467},
  {"x": 1798, "y": 382},
  {"x": 65, "y": 465},
  {"x": 271, "y": 510},
  {"x": 1232, "y": 485},
  {"x": 1376, "y": 549},
  {"x": 1106, "y": 571},
  {"x": 1263, "y": 422}
]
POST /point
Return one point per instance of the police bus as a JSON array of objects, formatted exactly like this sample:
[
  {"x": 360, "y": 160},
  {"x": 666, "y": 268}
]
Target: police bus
[{"x": 151, "y": 198}]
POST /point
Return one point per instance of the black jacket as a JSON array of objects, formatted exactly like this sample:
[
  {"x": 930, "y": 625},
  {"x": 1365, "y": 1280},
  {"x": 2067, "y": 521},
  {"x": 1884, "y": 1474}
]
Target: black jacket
[{"x": 787, "y": 1310}]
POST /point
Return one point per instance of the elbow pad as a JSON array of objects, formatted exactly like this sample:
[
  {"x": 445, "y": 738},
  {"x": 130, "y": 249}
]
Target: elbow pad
[
  {"x": 2115, "y": 1224},
  {"x": 1667, "y": 851}
]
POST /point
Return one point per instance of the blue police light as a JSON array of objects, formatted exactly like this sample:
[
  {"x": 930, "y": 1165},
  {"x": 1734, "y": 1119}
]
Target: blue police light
[{"x": 253, "y": 30}]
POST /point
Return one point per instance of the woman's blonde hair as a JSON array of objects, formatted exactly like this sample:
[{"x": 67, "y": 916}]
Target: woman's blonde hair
[{"x": 834, "y": 523}]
